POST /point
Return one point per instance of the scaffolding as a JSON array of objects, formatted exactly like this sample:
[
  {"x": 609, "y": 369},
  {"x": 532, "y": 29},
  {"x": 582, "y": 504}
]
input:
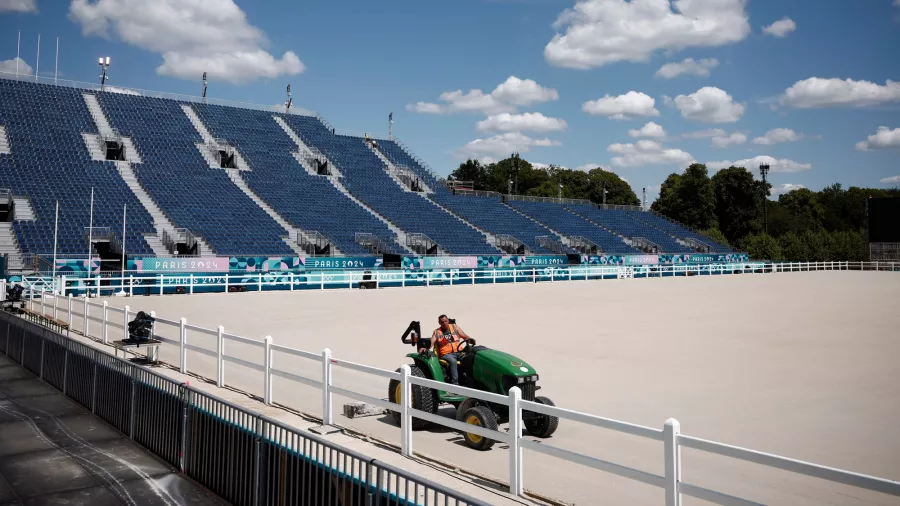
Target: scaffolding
[
  {"x": 422, "y": 244},
  {"x": 548, "y": 242},
  {"x": 645, "y": 245},
  {"x": 509, "y": 244}
]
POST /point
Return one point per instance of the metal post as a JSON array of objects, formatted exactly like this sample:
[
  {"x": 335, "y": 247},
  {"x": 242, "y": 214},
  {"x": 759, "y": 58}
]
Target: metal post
[
  {"x": 69, "y": 320},
  {"x": 259, "y": 281},
  {"x": 31, "y": 297},
  {"x": 291, "y": 280},
  {"x": 55, "y": 305},
  {"x": 131, "y": 410},
  {"x": 105, "y": 326},
  {"x": 182, "y": 334},
  {"x": 131, "y": 285},
  {"x": 672, "y": 465},
  {"x": 191, "y": 289},
  {"x": 326, "y": 387},
  {"x": 226, "y": 282},
  {"x": 267, "y": 389},
  {"x": 220, "y": 352},
  {"x": 43, "y": 296},
  {"x": 406, "y": 443},
  {"x": 516, "y": 486}
]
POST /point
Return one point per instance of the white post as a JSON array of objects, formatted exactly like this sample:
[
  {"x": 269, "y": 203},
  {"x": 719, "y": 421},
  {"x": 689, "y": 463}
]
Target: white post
[
  {"x": 161, "y": 283},
  {"x": 321, "y": 280},
  {"x": 43, "y": 296},
  {"x": 291, "y": 279},
  {"x": 62, "y": 285},
  {"x": 69, "y": 321},
  {"x": 226, "y": 282},
  {"x": 515, "y": 450},
  {"x": 31, "y": 297},
  {"x": 125, "y": 322},
  {"x": 403, "y": 279},
  {"x": 494, "y": 276},
  {"x": 191, "y": 289},
  {"x": 131, "y": 285},
  {"x": 105, "y": 327},
  {"x": 122, "y": 276},
  {"x": 220, "y": 352},
  {"x": 87, "y": 311},
  {"x": 515, "y": 275},
  {"x": 259, "y": 281},
  {"x": 451, "y": 277},
  {"x": 672, "y": 463},
  {"x": 267, "y": 389},
  {"x": 326, "y": 387},
  {"x": 182, "y": 351},
  {"x": 90, "y": 254},
  {"x": 406, "y": 442},
  {"x": 377, "y": 279},
  {"x": 55, "y": 304}
]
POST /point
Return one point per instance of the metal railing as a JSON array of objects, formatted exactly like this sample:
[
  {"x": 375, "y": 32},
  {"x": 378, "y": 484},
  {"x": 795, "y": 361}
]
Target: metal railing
[
  {"x": 324, "y": 363},
  {"x": 243, "y": 456},
  {"x": 552, "y": 200}
]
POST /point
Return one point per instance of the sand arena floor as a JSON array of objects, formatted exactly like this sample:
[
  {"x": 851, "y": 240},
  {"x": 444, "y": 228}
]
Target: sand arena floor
[{"x": 805, "y": 365}]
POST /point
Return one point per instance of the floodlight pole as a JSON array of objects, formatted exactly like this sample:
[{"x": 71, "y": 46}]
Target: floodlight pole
[
  {"x": 104, "y": 64},
  {"x": 287, "y": 104},
  {"x": 764, "y": 172},
  {"x": 204, "y": 87},
  {"x": 644, "y": 201}
]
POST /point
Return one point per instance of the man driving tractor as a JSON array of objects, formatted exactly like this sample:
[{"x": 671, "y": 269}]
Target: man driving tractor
[{"x": 448, "y": 337}]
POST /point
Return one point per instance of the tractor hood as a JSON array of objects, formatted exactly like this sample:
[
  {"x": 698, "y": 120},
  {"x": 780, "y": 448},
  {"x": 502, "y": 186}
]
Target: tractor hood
[{"x": 503, "y": 364}]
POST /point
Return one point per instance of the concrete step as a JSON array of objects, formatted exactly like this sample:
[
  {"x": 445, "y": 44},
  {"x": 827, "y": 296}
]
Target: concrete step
[
  {"x": 4, "y": 142},
  {"x": 23, "y": 210}
]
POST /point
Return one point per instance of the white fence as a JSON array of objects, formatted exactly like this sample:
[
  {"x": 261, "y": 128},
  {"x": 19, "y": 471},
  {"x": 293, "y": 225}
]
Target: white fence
[
  {"x": 348, "y": 279},
  {"x": 323, "y": 364}
]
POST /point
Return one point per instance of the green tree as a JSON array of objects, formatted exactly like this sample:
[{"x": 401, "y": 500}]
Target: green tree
[
  {"x": 804, "y": 207},
  {"x": 793, "y": 249},
  {"x": 618, "y": 192},
  {"x": 761, "y": 247},
  {"x": 688, "y": 198},
  {"x": 716, "y": 235},
  {"x": 472, "y": 170},
  {"x": 738, "y": 202}
]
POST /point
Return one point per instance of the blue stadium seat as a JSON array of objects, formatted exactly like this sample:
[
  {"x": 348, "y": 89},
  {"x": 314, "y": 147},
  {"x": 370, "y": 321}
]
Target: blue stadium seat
[
  {"x": 566, "y": 222},
  {"x": 50, "y": 162}
]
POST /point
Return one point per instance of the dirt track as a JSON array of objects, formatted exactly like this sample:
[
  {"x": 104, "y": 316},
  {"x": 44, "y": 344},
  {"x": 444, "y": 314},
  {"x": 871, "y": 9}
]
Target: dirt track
[{"x": 803, "y": 365}]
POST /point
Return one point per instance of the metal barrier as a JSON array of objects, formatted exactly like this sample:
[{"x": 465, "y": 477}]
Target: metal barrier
[{"x": 242, "y": 456}]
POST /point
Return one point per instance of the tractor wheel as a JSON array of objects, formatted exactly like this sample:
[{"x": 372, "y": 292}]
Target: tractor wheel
[
  {"x": 484, "y": 417},
  {"x": 463, "y": 407},
  {"x": 543, "y": 425},
  {"x": 423, "y": 399}
]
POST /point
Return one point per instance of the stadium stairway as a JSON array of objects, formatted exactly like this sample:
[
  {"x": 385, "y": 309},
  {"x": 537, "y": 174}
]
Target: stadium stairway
[
  {"x": 563, "y": 238},
  {"x": 9, "y": 246},
  {"x": 393, "y": 171},
  {"x": 4, "y": 142},
  {"x": 209, "y": 139},
  {"x": 23, "y": 209}
]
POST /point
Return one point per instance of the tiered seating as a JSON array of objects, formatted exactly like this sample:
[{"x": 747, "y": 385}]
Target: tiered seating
[
  {"x": 307, "y": 201},
  {"x": 49, "y": 162},
  {"x": 564, "y": 221},
  {"x": 491, "y": 215},
  {"x": 364, "y": 176},
  {"x": 175, "y": 174},
  {"x": 623, "y": 223},
  {"x": 677, "y": 230},
  {"x": 398, "y": 156}
]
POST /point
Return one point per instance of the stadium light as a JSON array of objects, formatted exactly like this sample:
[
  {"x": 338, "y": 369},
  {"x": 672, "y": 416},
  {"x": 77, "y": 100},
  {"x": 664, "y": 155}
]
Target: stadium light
[
  {"x": 104, "y": 64},
  {"x": 560, "y": 190}
]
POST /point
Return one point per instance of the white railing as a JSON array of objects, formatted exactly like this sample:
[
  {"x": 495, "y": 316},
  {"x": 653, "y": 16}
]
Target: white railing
[
  {"x": 159, "y": 284},
  {"x": 322, "y": 365}
]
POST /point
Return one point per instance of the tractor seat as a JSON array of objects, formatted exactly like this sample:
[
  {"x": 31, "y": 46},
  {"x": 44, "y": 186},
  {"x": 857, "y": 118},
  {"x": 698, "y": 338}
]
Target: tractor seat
[{"x": 442, "y": 361}]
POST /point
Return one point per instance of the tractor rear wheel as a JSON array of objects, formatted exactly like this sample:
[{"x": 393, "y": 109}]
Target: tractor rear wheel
[
  {"x": 483, "y": 417},
  {"x": 542, "y": 425},
  {"x": 423, "y": 399}
]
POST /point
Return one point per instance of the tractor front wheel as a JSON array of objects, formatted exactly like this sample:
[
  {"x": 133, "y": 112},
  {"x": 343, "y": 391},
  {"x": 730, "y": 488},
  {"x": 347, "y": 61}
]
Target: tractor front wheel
[
  {"x": 423, "y": 399},
  {"x": 483, "y": 417},
  {"x": 541, "y": 425}
]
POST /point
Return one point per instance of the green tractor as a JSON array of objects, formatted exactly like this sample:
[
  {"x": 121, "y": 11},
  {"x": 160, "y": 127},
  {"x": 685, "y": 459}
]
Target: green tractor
[{"x": 480, "y": 368}]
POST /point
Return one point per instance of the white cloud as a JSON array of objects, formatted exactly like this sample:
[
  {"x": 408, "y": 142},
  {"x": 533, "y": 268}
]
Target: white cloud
[
  {"x": 650, "y": 129},
  {"x": 687, "y": 67},
  {"x": 781, "y": 189},
  {"x": 701, "y": 134},
  {"x": 647, "y": 152},
  {"x": 589, "y": 167},
  {"x": 709, "y": 104},
  {"x": 780, "y": 28},
  {"x": 777, "y": 136},
  {"x": 883, "y": 138},
  {"x": 506, "y": 97},
  {"x": 892, "y": 179},
  {"x": 501, "y": 145},
  {"x": 821, "y": 92},
  {"x": 633, "y": 104},
  {"x": 723, "y": 141},
  {"x": 9, "y": 66},
  {"x": 752, "y": 164},
  {"x": 18, "y": 6},
  {"x": 193, "y": 36},
  {"x": 534, "y": 121},
  {"x": 598, "y": 32}
]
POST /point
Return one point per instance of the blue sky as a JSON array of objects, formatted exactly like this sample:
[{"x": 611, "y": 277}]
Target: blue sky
[{"x": 641, "y": 88}]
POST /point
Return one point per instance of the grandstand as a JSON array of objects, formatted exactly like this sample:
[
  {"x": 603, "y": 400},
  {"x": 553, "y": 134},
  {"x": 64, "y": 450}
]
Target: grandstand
[{"x": 213, "y": 180}]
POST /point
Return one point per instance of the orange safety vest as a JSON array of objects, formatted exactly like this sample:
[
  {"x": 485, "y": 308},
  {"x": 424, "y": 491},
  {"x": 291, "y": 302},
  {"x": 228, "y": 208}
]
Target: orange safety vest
[{"x": 446, "y": 346}]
